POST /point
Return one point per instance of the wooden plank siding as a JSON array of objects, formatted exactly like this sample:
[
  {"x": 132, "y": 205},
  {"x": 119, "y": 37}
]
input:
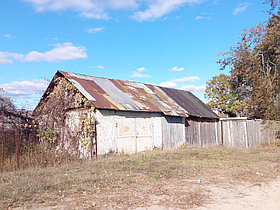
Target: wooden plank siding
[
  {"x": 241, "y": 132},
  {"x": 231, "y": 132},
  {"x": 201, "y": 132},
  {"x": 234, "y": 133},
  {"x": 173, "y": 132}
]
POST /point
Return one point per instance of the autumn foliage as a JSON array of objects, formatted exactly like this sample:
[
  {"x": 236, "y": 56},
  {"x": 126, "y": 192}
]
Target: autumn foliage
[{"x": 254, "y": 64}]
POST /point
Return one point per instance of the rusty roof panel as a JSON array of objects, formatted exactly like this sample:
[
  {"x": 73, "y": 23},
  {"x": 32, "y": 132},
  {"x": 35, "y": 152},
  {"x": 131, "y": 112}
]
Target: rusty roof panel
[
  {"x": 128, "y": 95},
  {"x": 190, "y": 103},
  {"x": 82, "y": 90}
]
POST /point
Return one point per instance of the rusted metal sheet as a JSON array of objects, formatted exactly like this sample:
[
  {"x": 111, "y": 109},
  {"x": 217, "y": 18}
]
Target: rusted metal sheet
[
  {"x": 133, "y": 96},
  {"x": 190, "y": 103},
  {"x": 124, "y": 95}
]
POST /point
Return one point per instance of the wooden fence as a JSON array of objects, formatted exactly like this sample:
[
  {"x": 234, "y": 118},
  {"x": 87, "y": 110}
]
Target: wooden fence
[
  {"x": 17, "y": 133},
  {"x": 202, "y": 132},
  {"x": 241, "y": 132},
  {"x": 232, "y": 132}
]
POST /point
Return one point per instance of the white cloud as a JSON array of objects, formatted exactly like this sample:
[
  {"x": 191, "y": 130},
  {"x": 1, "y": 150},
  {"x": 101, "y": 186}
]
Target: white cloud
[
  {"x": 139, "y": 74},
  {"x": 62, "y": 52},
  {"x": 7, "y": 57},
  {"x": 169, "y": 84},
  {"x": 174, "y": 83},
  {"x": 152, "y": 9},
  {"x": 240, "y": 8},
  {"x": 95, "y": 15},
  {"x": 100, "y": 67},
  {"x": 141, "y": 69},
  {"x": 95, "y": 30},
  {"x": 158, "y": 8},
  {"x": 193, "y": 88},
  {"x": 24, "y": 89},
  {"x": 9, "y": 36},
  {"x": 199, "y": 17},
  {"x": 186, "y": 79},
  {"x": 175, "y": 68},
  {"x": 118, "y": 4},
  {"x": 87, "y": 8},
  {"x": 57, "y": 5}
]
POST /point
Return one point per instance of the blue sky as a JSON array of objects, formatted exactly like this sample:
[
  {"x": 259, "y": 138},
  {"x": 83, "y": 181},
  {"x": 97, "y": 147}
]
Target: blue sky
[{"x": 173, "y": 43}]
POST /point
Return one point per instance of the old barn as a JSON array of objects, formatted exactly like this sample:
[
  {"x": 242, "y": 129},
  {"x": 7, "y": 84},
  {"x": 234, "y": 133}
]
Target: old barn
[{"x": 93, "y": 115}]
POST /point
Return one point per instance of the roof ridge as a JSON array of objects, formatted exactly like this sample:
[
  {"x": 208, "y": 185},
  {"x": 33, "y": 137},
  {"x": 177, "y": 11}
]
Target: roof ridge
[{"x": 122, "y": 80}]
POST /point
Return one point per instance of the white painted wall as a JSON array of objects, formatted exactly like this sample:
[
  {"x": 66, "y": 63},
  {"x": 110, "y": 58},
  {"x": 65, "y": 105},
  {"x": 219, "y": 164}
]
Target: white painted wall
[{"x": 127, "y": 132}]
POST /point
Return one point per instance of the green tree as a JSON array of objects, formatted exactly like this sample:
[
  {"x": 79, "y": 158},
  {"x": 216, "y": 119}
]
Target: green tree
[
  {"x": 220, "y": 95},
  {"x": 254, "y": 65}
]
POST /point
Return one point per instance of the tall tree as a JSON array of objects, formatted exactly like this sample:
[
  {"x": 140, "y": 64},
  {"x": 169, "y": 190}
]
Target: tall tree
[
  {"x": 255, "y": 68},
  {"x": 218, "y": 93}
]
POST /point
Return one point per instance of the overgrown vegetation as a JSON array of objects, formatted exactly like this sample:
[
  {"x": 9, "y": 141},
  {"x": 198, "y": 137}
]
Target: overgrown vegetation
[
  {"x": 163, "y": 178},
  {"x": 254, "y": 78},
  {"x": 59, "y": 126},
  {"x": 33, "y": 154}
]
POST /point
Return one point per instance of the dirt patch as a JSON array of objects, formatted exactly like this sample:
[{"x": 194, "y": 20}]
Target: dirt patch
[{"x": 247, "y": 196}]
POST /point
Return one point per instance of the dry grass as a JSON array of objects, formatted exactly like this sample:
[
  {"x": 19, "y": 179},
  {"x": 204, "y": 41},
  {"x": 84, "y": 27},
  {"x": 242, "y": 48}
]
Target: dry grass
[
  {"x": 164, "y": 178},
  {"x": 34, "y": 155}
]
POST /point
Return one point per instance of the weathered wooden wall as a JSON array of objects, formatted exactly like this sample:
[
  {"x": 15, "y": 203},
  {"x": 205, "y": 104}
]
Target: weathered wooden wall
[
  {"x": 234, "y": 133},
  {"x": 240, "y": 132},
  {"x": 231, "y": 132},
  {"x": 172, "y": 132},
  {"x": 202, "y": 132}
]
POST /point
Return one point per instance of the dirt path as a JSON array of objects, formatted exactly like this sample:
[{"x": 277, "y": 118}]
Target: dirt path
[
  {"x": 258, "y": 196},
  {"x": 223, "y": 196}
]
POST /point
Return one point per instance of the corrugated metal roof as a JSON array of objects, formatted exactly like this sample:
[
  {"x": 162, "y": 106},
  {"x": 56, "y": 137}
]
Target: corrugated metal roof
[
  {"x": 133, "y": 96},
  {"x": 190, "y": 103}
]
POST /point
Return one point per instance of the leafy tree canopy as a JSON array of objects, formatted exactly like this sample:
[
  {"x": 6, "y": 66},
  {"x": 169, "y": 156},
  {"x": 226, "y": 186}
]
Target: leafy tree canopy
[
  {"x": 220, "y": 95},
  {"x": 254, "y": 65}
]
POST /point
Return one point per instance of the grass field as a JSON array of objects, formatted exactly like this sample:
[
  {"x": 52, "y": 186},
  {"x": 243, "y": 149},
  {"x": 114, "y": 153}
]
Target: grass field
[{"x": 158, "y": 178}]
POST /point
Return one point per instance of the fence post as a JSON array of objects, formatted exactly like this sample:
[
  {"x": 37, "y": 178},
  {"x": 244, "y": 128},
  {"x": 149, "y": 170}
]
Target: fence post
[
  {"x": 3, "y": 140},
  {"x": 17, "y": 144},
  {"x": 95, "y": 137}
]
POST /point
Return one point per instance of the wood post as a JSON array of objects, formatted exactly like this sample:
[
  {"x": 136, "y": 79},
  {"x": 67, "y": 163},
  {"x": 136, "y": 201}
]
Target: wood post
[
  {"x": 17, "y": 134},
  {"x": 3, "y": 141}
]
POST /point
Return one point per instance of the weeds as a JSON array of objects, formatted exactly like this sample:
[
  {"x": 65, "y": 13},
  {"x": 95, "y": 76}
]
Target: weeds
[
  {"x": 37, "y": 155},
  {"x": 168, "y": 178}
]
